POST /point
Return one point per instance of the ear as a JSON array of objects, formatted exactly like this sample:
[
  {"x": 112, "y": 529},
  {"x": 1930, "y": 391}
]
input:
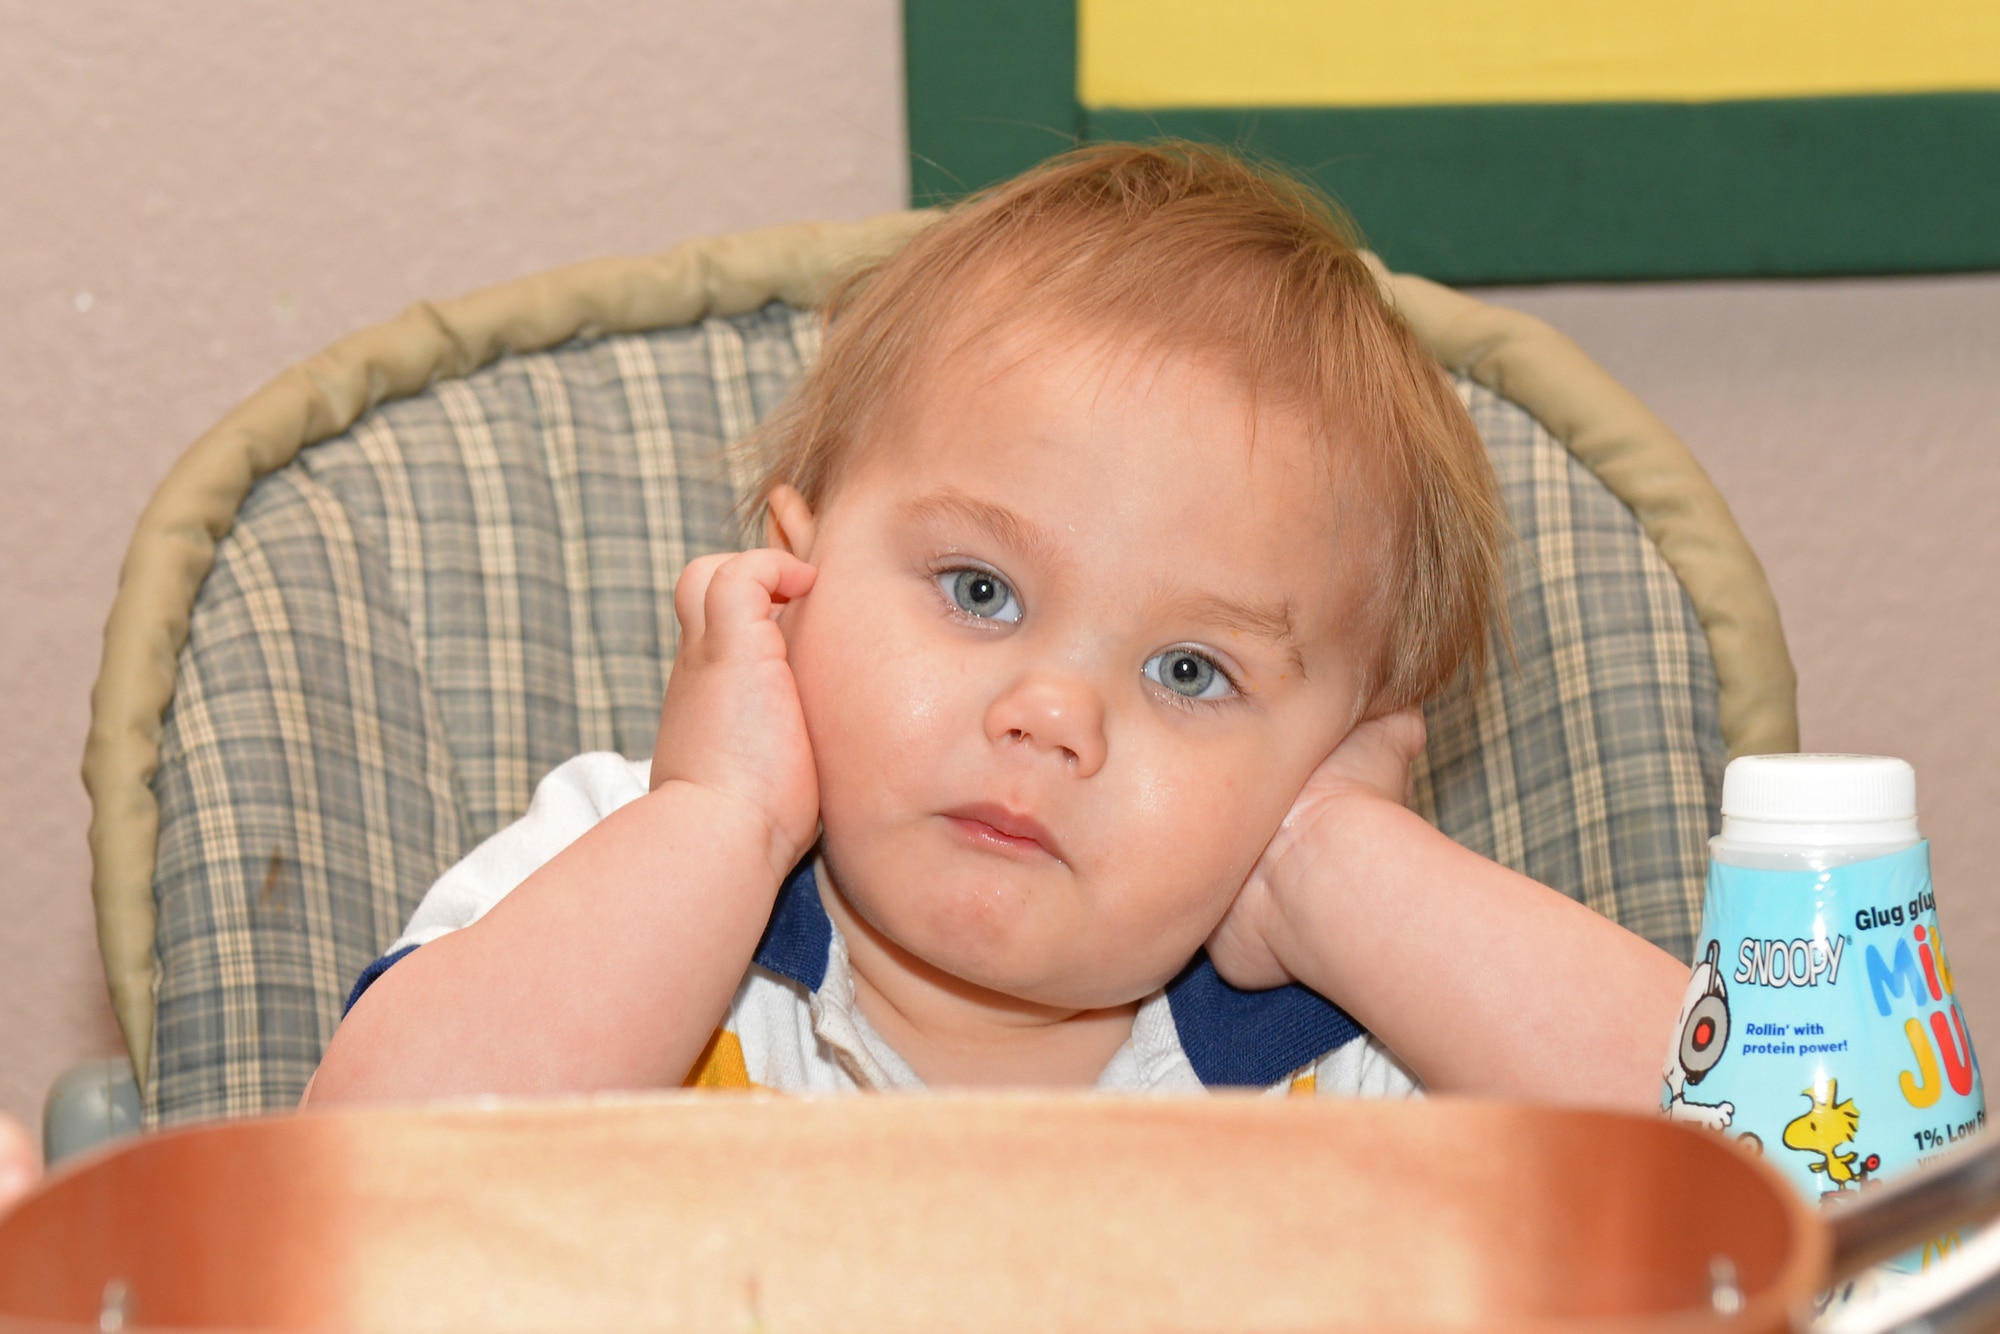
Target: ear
[{"x": 789, "y": 523}]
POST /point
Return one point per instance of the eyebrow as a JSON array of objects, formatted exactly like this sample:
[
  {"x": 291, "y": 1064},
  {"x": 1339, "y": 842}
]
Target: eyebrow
[
  {"x": 949, "y": 503},
  {"x": 1271, "y": 621}
]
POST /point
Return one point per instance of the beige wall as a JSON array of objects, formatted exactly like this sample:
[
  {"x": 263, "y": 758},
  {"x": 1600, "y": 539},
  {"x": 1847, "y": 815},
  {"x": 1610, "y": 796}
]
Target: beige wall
[{"x": 193, "y": 195}]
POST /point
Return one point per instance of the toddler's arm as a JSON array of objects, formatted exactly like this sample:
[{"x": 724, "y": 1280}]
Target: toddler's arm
[
  {"x": 610, "y": 966},
  {"x": 1479, "y": 979}
]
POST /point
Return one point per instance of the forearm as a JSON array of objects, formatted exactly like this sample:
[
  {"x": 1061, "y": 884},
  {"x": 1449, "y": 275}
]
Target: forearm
[
  {"x": 1481, "y": 980},
  {"x": 607, "y": 968}
]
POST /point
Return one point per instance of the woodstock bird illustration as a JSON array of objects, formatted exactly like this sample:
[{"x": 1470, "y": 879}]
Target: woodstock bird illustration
[{"x": 1825, "y": 1126}]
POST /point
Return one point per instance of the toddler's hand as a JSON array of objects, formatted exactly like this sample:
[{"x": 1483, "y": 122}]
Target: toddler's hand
[
  {"x": 1372, "y": 763},
  {"x": 731, "y": 722}
]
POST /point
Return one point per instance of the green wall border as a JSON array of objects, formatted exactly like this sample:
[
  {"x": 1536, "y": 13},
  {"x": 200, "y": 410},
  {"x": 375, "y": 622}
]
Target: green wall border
[
  {"x": 1767, "y": 188},
  {"x": 1787, "y": 187},
  {"x": 991, "y": 87}
]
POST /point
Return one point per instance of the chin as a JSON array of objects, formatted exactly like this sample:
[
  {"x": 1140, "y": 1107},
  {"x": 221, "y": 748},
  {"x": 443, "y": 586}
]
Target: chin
[
  {"x": 1012, "y": 926},
  {"x": 978, "y": 924},
  {"x": 1013, "y": 955},
  {"x": 1034, "y": 981}
]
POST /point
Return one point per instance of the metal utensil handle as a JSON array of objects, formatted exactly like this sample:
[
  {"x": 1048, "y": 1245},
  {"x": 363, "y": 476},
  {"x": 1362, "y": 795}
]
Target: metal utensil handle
[
  {"x": 1962, "y": 1186},
  {"x": 1960, "y": 1295}
]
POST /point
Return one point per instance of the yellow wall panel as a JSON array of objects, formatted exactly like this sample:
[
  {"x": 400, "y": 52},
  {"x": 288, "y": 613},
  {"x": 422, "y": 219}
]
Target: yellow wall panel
[{"x": 1246, "y": 53}]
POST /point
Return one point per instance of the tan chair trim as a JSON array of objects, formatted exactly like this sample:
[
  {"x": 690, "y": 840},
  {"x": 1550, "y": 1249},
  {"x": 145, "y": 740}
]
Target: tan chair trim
[{"x": 173, "y": 548}]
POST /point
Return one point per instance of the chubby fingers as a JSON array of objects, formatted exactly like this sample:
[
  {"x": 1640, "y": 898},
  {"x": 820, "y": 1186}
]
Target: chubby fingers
[
  {"x": 1402, "y": 733},
  {"x": 1378, "y": 753},
  {"x": 737, "y": 588}
]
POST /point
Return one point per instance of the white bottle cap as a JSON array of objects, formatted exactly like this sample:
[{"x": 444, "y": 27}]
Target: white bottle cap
[{"x": 1819, "y": 800}]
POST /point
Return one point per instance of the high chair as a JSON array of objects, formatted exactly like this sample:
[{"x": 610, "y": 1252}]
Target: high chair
[{"x": 365, "y": 613}]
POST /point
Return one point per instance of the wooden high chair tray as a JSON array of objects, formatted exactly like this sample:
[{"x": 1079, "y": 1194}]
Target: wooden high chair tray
[{"x": 1001, "y": 1213}]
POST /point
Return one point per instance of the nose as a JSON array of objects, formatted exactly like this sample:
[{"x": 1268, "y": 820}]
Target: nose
[{"x": 1060, "y": 715}]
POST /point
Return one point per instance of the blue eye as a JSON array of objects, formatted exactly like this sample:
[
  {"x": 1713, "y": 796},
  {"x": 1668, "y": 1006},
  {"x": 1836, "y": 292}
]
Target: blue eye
[
  {"x": 1188, "y": 674},
  {"x": 982, "y": 594}
]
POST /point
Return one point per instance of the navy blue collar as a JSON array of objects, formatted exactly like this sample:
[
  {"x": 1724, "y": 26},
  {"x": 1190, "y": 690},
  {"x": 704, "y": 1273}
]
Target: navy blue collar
[{"x": 1232, "y": 1038}]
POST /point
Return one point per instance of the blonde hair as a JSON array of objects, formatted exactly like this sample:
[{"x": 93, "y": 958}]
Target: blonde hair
[{"x": 1194, "y": 249}]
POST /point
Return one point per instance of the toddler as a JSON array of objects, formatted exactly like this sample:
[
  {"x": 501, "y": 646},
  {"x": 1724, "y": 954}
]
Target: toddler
[{"x": 1059, "y": 734}]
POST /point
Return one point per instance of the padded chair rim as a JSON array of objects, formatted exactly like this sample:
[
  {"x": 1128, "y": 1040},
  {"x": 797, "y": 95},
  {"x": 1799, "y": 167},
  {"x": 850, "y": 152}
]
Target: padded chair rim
[{"x": 173, "y": 547}]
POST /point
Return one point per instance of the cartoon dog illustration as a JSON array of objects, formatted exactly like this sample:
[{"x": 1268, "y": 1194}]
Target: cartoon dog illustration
[
  {"x": 1822, "y": 1129},
  {"x": 1704, "y": 1037}
]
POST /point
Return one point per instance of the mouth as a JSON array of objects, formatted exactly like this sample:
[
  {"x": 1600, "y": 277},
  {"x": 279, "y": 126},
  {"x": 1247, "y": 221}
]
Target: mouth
[{"x": 997, "y": 829}]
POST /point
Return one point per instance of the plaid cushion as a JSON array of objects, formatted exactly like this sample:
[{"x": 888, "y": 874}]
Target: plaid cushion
[
  {"x": 1590, "y": 756},
  {"x": 416, "y": 620}
]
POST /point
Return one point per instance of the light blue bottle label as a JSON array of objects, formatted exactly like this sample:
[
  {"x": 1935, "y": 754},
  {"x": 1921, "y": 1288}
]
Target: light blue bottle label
[{"x": 1820, "y": 1026}]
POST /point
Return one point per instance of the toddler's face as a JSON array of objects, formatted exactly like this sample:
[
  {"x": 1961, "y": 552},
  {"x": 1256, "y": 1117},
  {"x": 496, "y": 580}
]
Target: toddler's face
[{"x": 1075, "y": 644}]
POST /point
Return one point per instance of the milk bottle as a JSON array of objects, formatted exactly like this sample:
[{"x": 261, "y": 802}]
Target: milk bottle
[{"x": 1820, "y": 1026}]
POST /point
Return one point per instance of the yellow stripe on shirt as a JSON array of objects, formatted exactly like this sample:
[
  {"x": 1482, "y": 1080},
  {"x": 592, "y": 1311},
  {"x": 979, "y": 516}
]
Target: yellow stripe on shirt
[{"x": 721, "y": 1064}]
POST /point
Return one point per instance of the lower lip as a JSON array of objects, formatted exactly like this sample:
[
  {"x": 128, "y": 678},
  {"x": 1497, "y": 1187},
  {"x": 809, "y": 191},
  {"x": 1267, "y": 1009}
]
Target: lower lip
[{"x": 982, "y": 835}]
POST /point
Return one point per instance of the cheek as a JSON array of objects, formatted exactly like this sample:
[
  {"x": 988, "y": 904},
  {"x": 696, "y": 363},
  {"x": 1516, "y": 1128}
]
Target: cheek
[
  {"x": 872, "y": 700},
  {"x": 1202, "y": 817}
]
